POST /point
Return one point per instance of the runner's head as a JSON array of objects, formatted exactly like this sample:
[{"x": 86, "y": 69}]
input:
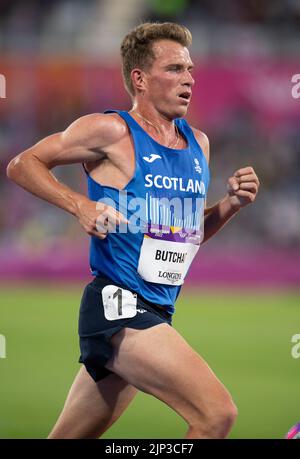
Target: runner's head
[{"x": 157, "y": 66}]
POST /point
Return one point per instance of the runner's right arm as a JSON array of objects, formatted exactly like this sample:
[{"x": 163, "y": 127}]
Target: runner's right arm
[{"x": 83, "y": 141}]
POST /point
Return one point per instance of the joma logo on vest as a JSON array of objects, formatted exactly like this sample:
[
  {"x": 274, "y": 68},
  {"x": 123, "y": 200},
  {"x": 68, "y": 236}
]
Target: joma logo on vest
[{"x": 2, "y": 87}]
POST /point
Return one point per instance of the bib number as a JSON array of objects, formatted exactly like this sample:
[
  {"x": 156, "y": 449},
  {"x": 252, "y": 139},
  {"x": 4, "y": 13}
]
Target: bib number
[
  {"x": 165, "y": 262},
  {"x": 118, "y": 303}
]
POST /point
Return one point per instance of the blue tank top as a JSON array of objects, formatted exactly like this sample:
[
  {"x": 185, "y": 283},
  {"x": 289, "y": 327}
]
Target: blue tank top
[{"x": 164, "y": 204}]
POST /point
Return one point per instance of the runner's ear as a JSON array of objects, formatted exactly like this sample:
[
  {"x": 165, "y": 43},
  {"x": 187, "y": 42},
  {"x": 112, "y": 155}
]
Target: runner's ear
[{"x": 138, "y": 80}]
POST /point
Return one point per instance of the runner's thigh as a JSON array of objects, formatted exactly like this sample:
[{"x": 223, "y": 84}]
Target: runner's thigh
[{"x": 160, "y": 362}]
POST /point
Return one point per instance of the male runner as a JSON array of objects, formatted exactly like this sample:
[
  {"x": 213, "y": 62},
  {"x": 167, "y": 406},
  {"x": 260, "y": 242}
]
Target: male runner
[{"x": 151, "y": 154}]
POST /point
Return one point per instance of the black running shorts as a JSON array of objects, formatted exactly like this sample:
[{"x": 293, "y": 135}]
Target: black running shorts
[{"x": 106, "y": 308}]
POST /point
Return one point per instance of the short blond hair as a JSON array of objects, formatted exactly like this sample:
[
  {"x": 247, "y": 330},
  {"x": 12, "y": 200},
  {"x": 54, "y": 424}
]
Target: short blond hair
[{"x": 136, "y": 47}]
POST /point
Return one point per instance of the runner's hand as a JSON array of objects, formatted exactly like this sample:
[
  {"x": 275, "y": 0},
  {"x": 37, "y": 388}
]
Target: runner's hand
[
  {"x": 98, "y": 219},
  {"x": 243, "y": 187}
]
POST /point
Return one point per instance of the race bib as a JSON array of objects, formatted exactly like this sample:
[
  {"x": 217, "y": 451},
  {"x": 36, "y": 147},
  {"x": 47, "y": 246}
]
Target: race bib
[
  {"x": 118, "y": 303},
  {"x": 166, "y": 258}
]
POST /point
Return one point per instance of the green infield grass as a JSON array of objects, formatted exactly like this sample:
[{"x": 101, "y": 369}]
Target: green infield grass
[{"x": 245, "y": 337}]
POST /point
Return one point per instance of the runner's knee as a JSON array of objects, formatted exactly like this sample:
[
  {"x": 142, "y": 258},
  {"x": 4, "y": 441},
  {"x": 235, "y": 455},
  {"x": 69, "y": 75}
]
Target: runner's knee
[
  {"x": 216, "y": 422},
  {"x": 225, "y": 419}
]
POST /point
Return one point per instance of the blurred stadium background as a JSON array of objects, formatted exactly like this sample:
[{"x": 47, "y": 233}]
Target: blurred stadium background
[{"x": 240, "y": 306}]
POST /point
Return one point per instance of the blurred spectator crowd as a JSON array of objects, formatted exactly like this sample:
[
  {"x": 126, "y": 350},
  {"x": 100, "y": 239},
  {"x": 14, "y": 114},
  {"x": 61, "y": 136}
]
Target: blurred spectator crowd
[{"x": 243, "y": 103}]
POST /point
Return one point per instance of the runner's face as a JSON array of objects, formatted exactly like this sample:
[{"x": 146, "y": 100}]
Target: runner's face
[{"x": 169, "y": 80}]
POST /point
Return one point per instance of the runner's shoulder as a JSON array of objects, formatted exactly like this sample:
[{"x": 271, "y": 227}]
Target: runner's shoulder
[
  {"x": 97, "y": 129},
  {"x": 203, "y": 141}
]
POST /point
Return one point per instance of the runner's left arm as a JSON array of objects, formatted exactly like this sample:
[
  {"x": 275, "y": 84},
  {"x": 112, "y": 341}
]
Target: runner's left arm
[{"x": 242, "y": 189}]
